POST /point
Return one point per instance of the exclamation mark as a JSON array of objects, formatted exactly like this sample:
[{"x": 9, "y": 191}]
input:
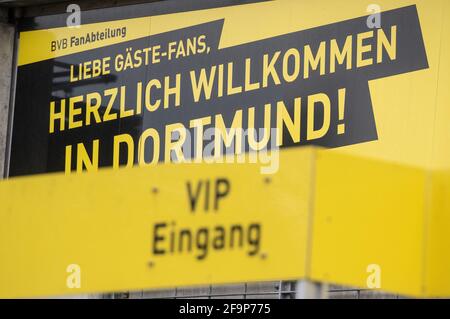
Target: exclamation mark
[{"x": 341, "y": 107}]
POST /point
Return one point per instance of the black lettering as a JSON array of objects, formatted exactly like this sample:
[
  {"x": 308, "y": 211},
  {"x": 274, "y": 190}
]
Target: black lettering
[
  {"x": 219, "y": 238},
  {"x": 193, "y": 199},
  {"x": 254, "y": 239},
  {"x": 168, "y": 238},
  {"x": 236, "y": 229},
  {"x": 207, "y": 196},
  {"x": 157, "y": 238},
  {"x": 185, "y": 233},
  {"x": 222, "y": 191},
  {"x": 202, "y": 243}
]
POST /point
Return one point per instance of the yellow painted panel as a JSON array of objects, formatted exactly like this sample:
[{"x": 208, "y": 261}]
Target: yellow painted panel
[
  {"x": 441, "y": 141},
  {"x": 365, "y": 212},
  {"x": 437, "y": 275},
  {"x": 438, "y": 208},
  {"x": 104, "y": 223},
  {"x": 368, "y": 213}
]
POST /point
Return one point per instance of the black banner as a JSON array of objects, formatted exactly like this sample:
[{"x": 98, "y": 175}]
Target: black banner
[{"x": 304, "y": 88}]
